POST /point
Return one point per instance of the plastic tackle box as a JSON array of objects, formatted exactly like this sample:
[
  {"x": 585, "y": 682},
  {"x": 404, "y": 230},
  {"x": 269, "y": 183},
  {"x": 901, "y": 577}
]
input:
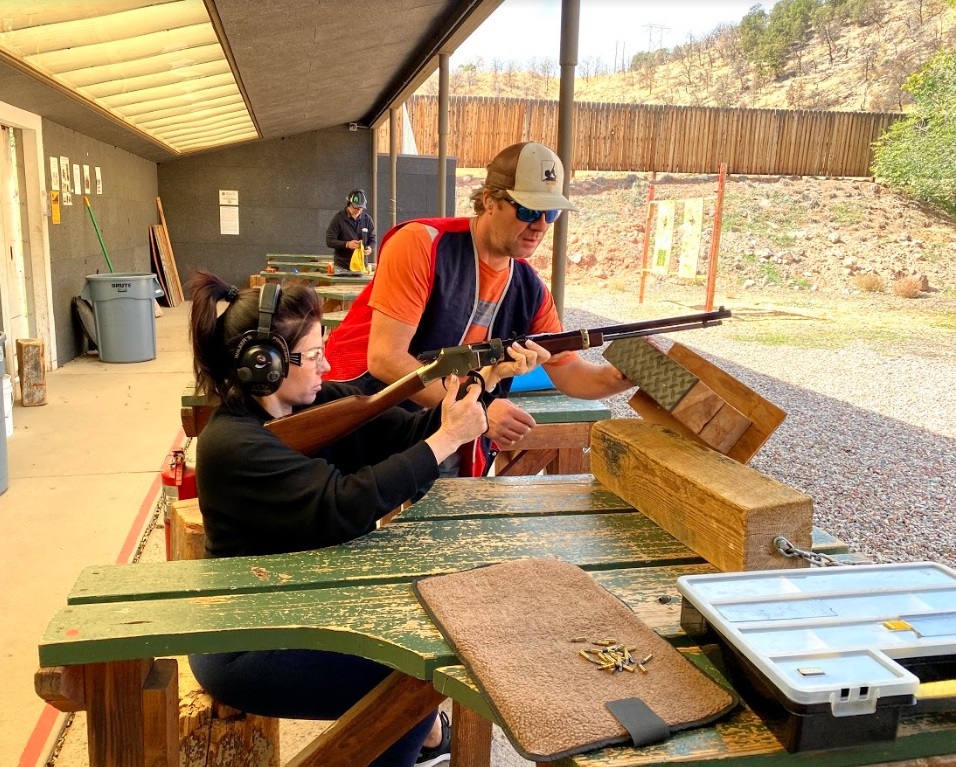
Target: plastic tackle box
[{"x": 832, "y": 655}]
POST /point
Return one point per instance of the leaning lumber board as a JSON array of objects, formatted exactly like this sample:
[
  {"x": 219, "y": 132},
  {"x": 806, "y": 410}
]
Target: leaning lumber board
[
  {"x": 765, "y": 417},
  {"x": 725, "y": 511}
]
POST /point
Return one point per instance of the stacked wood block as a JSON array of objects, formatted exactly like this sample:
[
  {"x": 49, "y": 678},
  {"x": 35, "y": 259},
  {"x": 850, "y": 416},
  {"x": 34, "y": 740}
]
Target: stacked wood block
[
  {"x": 32, "y": 367},
  {"x": 211, "y": 733},
  {"x": 683, "y": 391},
  {"x": 727, "y": 512}
]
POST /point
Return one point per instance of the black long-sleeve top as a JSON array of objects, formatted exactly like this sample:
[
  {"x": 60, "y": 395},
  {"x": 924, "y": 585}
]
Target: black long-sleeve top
[
  {"x": 343, "y": 228},
  {"x": 259, "y": 496}
]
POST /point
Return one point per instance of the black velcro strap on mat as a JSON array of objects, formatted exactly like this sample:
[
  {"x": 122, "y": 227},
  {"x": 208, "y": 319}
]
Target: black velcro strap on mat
[
  {"x": 644, "y": 725},
  {"x": 512, "y": 625}
]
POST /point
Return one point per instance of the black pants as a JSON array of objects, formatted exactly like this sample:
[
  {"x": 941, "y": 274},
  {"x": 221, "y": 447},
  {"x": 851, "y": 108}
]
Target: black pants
[{"x": 302, "y": 684}]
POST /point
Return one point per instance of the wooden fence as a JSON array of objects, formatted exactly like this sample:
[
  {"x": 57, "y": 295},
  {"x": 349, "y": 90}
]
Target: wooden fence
[{"x": 671, "y": 139}]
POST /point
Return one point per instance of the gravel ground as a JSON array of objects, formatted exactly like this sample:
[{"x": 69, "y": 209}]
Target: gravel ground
[{"x": 870, "y": 433}]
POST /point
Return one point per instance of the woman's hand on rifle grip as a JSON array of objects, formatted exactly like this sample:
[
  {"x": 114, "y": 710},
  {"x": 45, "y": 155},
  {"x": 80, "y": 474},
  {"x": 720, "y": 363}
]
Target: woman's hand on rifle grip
[{"x": 462, "y": 419}]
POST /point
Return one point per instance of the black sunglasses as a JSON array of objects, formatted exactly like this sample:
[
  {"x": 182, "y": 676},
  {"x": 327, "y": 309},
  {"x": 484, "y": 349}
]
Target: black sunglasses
[{"x": 529, "y": 215}]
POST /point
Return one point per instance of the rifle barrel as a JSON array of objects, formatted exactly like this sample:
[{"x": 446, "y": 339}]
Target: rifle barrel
[
  {"x": 573, "y": 340},
  {"x": 599, "y": 336}
]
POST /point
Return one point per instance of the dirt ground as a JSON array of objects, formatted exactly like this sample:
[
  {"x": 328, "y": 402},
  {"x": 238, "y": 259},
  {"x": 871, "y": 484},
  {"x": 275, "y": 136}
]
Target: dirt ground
[{"x": 835, "y": 246}]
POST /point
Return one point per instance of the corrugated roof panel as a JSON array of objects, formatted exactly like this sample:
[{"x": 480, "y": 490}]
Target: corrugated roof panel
[{"x": 157, "y": 66}]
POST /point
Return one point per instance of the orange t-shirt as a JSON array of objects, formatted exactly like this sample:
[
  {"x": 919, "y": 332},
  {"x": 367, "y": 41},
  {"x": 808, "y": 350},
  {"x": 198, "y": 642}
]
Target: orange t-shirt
[{"x": 403, "y": 283}]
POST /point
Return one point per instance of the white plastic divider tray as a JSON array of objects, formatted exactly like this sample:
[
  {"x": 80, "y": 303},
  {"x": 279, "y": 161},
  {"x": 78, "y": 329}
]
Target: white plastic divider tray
[{"x": 833, "y": 635}]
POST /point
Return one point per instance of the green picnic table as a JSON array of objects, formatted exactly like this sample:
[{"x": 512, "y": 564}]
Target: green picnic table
[
  {"x": 317, "y": 278},
  {"x": 98, "y": 652}
]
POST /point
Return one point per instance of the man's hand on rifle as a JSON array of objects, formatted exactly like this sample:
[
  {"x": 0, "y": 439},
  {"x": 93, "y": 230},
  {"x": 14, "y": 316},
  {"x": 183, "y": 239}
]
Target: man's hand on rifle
[
  {"x": 507, "y": 423},
  {"x": 524, "y": 359},
  {"x": 462, "y": 420}
]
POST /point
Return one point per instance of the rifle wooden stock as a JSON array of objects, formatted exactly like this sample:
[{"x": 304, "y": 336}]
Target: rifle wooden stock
[{"x": 308, "y": 431}]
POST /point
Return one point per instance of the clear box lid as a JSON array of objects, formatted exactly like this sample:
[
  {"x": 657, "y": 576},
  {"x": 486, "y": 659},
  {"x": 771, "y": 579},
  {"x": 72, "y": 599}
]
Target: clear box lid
[{"x": 833, "y": 634}]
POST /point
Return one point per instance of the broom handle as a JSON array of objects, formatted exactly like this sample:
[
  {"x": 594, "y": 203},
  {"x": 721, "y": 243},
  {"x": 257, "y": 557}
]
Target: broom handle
[{"x": 98, "y": 235}]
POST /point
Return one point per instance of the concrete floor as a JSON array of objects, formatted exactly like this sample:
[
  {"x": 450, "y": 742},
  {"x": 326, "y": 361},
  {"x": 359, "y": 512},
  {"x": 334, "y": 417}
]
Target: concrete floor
[
  {"x": 84, "y": 481},
  {"x": 84, "y": 489}
]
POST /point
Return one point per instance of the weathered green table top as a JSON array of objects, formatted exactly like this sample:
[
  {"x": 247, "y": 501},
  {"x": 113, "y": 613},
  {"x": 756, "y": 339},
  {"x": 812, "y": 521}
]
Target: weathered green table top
[
  {"x": 322, "y": 278},
  {"x": 552, "y": 406},
  {"x": 357, "y": 599}
]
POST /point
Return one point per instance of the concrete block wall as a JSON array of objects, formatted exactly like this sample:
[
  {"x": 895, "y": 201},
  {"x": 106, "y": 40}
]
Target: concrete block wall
[
  {"x": 417, "y": 189},
  {"x": 288, "y": 189}
]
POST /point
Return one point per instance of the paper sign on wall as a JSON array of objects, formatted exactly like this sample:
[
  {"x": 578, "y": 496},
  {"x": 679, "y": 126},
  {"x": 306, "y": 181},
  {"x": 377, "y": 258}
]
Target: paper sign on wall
[
  {"x": 229, "y": 211},
  {"x": 99, "y": 180},
  {"x": 66, "y": 197},
  {"x": 86, "y": 179},
  {"x": 228, "y": 219},
  {"x": 77, "y": 189},
  {"x": 54, "y": 175}
]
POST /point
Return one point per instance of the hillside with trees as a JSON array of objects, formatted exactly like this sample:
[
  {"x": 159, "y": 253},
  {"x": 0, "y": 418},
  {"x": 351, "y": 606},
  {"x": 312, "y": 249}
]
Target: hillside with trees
[
  {"x": 895, "y": 234},
  {"x": 802, "y": 54}
]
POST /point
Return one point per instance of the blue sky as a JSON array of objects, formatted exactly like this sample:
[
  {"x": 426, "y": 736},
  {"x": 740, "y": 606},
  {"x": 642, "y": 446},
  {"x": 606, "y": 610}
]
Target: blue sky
[{"x": 523, "y": 29}]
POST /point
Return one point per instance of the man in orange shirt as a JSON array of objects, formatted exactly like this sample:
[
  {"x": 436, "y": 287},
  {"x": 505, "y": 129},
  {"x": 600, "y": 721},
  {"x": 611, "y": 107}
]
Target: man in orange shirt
[{"x": 444, "y": 282}]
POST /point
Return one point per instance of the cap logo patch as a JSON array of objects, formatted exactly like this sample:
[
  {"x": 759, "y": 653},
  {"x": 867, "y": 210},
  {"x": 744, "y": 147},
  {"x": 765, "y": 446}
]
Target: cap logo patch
[{"x": 547, "y": 171}]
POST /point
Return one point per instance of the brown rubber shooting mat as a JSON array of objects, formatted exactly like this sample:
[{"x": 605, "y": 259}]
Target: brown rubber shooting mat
[{"x": 514, "y": 626}]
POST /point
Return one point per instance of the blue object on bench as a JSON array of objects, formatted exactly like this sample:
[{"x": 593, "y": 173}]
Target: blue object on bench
[{"x": 536, "y": 380}]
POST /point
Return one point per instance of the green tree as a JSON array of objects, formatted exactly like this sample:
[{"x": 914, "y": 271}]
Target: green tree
[
  {"x": 767, "y": 40},
  {"x": 917, "y": 155}
]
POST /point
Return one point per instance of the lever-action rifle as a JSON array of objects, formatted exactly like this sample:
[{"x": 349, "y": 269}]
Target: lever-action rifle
[{"x": 308, "y": 431}]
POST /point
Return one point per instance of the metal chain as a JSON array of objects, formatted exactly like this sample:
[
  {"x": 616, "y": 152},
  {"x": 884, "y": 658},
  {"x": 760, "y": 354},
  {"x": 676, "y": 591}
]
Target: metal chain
[{"x": 786, "y": 548}]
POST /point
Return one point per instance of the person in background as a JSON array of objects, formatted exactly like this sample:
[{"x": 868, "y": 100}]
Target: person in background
[
  {"x": 351, "y": 228},
  {"x": 259, "y": 496},
  {"x": 449, "y": 281}
]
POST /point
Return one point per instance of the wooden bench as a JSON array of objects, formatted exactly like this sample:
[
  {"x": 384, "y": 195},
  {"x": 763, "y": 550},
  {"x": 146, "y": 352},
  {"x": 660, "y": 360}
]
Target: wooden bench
[{"x": 98, "y": 652}]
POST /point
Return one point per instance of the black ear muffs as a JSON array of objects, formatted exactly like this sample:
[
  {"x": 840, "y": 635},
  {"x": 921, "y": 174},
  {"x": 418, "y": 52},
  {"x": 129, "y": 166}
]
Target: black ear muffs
[{"x": 262, "y": 357}]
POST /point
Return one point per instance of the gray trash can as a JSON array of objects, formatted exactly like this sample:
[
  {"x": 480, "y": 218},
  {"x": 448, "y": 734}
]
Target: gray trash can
[
  {"x": 4, "y": 472},
  {"x": 123, "y": 315}
]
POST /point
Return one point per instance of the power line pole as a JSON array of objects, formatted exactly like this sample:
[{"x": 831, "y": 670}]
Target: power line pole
[{"x": 660, "y": 29}]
